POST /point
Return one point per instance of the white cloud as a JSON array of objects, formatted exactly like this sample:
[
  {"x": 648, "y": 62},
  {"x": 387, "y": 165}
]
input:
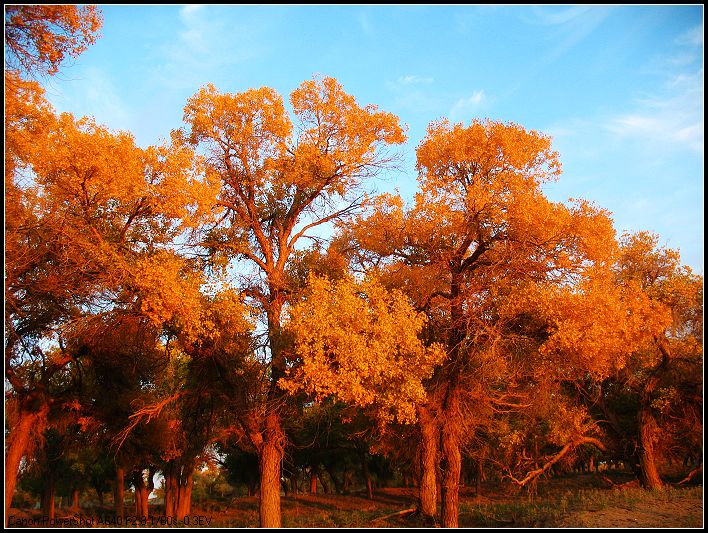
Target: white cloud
[
  {"x": 96, "y": 96},
  {"x": 414, "y": 79},
  {"x": 204, "y": 44},
  {"x": 557, "y": 15},
  {"x": 691, "y": 37},
  {"x": 672, "y": 120},
  {"x": 465, "y": 108},
  {"x": 188, "y": 12},
  {"x": 365, "y": 24}
]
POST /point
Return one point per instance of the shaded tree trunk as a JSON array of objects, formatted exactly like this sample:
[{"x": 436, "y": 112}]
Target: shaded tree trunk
[
  {"x": 184, "y": 492},
  {"x": 337, "y": 483},
  {"x": 367, "y": 476},
  {"x": 48, "y": 496},
  {"x": 118, "y": 485},
  {"x": 323, "y": 482},
  {"x": 75, "y": 499}
]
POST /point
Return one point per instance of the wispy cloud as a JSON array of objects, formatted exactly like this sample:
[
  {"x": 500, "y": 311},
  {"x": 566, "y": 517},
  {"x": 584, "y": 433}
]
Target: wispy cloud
[
  {"x": 467, "y": 107},
  {"x": 673, "y": 119},
  {"x": 414, "y": 79},
  {"x": 554, "y": 16},
  {"x": 365, "y": 24},
  {"x": 204, "y": 44},
  {"x": 567, "y": 26},
  {"x": 97, "y": 96},
  {"x": 691, "y": 37}
]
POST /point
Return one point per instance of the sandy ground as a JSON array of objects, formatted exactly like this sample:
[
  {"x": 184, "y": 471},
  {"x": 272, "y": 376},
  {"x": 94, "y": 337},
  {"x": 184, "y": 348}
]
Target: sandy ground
[{"x": 655, "y": 512}]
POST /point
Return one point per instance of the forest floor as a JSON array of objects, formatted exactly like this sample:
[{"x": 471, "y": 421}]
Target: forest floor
[{"x": 578, "y": 500}]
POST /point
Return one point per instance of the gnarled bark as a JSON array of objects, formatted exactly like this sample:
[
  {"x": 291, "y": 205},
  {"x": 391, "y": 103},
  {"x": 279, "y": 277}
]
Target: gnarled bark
[{"x": 428, "y": 456}]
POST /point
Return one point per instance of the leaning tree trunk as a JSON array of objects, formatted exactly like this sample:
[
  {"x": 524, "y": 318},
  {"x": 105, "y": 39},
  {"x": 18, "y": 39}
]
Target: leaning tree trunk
[
  {"x": 427, "y": 494},
  {"x": 17, "y": 441}
]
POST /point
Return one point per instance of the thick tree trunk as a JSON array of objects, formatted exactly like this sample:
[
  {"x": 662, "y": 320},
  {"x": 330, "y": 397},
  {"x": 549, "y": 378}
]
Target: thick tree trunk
[
  {"x": 118, "y": 485},
  {"x": 648, "y": 428},
  {"x": 427, "y": 494},
  {"x": 649, "y": 476},
  {"x": 184, "y": 493},
  {"x": 451, "y": 458},
  {"x": 16, "y": 445},
  {"x": 269, "y": 459}
]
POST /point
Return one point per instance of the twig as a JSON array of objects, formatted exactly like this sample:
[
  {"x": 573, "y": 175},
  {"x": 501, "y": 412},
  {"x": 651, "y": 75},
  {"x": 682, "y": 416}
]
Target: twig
[{"x": 399, "y": 513}]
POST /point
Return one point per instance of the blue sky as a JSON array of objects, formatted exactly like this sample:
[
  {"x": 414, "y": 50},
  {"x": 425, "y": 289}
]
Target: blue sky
[{"x": 620, "y": 88}]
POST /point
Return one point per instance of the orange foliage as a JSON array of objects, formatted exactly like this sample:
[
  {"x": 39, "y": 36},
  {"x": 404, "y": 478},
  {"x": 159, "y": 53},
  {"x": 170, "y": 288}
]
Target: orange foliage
[
  {"x": 360, "y": 343},
  {"x": 40, "y": 37}
]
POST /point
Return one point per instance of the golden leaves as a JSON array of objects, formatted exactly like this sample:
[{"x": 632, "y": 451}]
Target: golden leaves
[{"x": 359, "y": 342}]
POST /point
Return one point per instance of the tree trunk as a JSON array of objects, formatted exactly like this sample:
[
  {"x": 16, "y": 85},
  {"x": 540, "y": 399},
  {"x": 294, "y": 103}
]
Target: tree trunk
[
  {"x": 99, "y": 493},
  {"x": 650, "y": 478},
  {"x": 323, "y": 482},
  {"x": 313, "y": 480},
  {"x": 451, "y": 459},
  {"x": 648, "y": 428},
  {"x": 184, "y": 493},
  {"x": 270, "y": 455},
  {"x": 335, "y": 480},
  {"x": 171, "y": 488},
  {"x": 427, "y": 494},
  {"x": 16, "y": 446},
  {"x": 118, "y": 485},
  {"x": 75, "y": 499},
  {"x": 367, "y": 474},
  {"x": 48, "y": 496},
  {"x": 480, "y": 475}
]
